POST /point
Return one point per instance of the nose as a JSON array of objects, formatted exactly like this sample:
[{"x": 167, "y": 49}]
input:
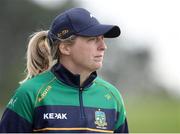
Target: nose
[{"x": 102, "y": 45}]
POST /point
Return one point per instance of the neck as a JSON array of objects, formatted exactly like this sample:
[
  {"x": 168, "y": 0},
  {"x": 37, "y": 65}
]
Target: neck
[
  {"x": 83, "y": 77},
  {"x": 77, "y": 70}
]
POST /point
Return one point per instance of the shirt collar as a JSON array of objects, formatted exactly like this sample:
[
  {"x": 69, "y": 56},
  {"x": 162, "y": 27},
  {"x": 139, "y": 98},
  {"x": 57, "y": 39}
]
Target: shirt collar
[{"x": 67, "y": 77}]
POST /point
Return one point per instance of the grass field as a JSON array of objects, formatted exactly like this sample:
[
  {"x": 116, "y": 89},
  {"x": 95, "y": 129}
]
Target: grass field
[{"x": 151, "y": 114}]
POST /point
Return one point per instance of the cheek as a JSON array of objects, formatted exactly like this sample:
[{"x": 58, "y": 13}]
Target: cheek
[
  {"x": 85, "y": 52},
  {"x": 84, "y": 55}
]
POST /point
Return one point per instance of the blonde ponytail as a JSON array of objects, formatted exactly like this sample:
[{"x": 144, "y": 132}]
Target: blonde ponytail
[
  {"x": 39, "y": 58},
  {"x": 40, "y": 55}
]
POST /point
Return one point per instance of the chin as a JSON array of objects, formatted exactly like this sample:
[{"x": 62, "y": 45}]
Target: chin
[{"x": 97, "y": 66}]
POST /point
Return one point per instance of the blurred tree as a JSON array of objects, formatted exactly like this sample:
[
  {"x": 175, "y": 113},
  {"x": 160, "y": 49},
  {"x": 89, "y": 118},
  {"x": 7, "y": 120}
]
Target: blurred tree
[{"x": 130, "y": 69}]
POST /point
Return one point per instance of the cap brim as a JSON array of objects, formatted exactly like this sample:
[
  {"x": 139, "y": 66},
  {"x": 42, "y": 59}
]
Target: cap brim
[{"x": 109, "y": 31}]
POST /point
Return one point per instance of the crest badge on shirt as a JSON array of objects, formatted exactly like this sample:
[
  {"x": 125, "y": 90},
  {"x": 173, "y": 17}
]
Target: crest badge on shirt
[{"x": 100, "y": 119}]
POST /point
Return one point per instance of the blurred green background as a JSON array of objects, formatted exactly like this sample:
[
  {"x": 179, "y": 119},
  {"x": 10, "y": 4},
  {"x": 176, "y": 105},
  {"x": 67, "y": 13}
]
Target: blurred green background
[{"x": 150, "y": 108}]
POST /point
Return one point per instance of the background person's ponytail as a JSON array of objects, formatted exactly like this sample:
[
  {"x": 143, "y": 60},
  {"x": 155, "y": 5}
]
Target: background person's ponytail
[{"x": 39, "y": 57}]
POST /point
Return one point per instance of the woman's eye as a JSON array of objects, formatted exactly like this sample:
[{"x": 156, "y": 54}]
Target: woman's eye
[{"x": 92, "y": 39}]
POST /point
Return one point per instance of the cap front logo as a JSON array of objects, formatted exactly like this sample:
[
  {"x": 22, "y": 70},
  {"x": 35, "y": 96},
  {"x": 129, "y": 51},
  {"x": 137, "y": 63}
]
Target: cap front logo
[{"x": 91, "y": 15}]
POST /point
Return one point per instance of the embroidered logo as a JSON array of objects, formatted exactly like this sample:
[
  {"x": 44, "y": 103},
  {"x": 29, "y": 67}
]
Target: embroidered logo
[
  {"x": 43, "y": 95},
  {"x": 100, "y": 119},
  {"x": 107, "y": 96},
  {"x": 12, "y": 101},
  {"x": 62, "y": 33}
]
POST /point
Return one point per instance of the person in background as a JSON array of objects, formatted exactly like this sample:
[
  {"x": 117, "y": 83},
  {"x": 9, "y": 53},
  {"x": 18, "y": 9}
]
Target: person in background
[{"x": 62, "y": 92}]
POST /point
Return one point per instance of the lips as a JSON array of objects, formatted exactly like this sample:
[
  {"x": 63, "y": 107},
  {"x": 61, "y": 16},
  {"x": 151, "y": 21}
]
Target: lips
[{"x": 99, "y": 56}]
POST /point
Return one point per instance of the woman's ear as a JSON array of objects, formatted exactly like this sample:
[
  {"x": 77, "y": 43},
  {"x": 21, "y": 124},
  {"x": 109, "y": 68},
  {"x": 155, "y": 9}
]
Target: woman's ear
[{"x": 64, "y": 49}]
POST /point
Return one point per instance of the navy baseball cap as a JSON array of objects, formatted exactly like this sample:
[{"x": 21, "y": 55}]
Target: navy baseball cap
[{"x": 79, "y": 21}]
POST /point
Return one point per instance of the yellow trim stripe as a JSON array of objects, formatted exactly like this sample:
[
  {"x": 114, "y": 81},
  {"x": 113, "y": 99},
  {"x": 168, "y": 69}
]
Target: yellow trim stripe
[
  {"x": 39, "y": 90},
  {"x": 90, "y": 129}
]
